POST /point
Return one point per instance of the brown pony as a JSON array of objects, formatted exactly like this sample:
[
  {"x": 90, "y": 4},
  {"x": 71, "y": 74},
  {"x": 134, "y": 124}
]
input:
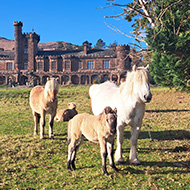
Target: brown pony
[
  {"x": 43, "y": 100},
  {"x": 101, "y": 128}
]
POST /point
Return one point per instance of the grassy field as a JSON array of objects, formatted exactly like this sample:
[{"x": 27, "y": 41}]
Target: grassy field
[{"x": 26, "y": 162}]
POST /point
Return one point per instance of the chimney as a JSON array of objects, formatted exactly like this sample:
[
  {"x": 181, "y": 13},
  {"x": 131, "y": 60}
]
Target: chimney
[{"x": 86, "y": 47}]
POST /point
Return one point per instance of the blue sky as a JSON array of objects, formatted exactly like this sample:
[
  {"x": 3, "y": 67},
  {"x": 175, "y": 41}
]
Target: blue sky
[{"x": 73, "y": 21}]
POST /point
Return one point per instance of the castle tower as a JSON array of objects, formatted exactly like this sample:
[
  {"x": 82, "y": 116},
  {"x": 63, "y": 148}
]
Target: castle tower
[
  {"x": 18, "y": 51},
  {"x": 33, "y": 40},
  {"x": 124, "y": 61}
]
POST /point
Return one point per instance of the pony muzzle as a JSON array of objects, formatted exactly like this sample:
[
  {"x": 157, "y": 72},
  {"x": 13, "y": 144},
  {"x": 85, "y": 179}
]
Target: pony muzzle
[{"x": 148, "y": 97}]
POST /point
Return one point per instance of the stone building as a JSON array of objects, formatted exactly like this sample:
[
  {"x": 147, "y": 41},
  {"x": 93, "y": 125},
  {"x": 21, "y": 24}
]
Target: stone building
[{"x": 27, "y": 63}]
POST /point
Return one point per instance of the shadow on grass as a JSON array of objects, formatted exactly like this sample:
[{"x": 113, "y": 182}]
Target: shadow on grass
[
  {"x": 156, "y": 168},
  {"x": 167, "y": 111},
  {"x": 161, "y": 135},
  {"x": 61, "y": 136}
]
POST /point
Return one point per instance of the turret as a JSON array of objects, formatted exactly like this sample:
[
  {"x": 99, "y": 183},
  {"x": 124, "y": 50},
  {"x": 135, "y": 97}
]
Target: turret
[
  {"x": 18, "y": 44},
  {"x": 33, "y": 40},
  {"x": 124, "y": 62}
]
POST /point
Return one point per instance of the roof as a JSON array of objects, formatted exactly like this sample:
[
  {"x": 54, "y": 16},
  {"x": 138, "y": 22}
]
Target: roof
[
  {"x": 92, "y": 52},
  {"x": 77, "y": 53},
  {"x": 6, "y": 54}
]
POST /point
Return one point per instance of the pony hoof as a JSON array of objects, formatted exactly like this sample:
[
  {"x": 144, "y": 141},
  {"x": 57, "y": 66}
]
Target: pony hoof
[
  {"x": 119, "y": 160},
  {"x": 106, "y": 173},
  {"x": 41, "y": 138},
  {"x": 135, "y": 162},
  {"x": 52, "y": 137}
]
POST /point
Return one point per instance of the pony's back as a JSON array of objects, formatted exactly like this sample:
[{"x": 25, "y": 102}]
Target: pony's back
[{"x": 103, "y": 95}]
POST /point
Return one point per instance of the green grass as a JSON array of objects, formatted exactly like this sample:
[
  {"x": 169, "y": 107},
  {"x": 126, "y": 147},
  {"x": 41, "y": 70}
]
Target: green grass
[{"x": 26, "y": 162}]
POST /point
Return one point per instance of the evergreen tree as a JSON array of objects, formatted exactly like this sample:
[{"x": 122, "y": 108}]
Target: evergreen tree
[
  {"x": 171, "y": 60},
  {"x": 100, "y": 44}
]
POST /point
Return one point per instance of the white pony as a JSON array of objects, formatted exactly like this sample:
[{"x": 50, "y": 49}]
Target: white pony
[{"x": 129, "y": 99}]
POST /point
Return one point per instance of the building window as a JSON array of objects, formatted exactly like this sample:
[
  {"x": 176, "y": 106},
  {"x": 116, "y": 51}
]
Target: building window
[
  {"x": 25, "y": 50},
  {"x": 25, "y": 66},
  {"x": 90, "y": 64},
  {"x": 40, "y": 65},
  {"x": 53, "y": 65},
  {"x": 80, "y": 65},
  {"x": 106, "y": 64},
  {"x": 67, "y": 65},
  {"x": 9, "y": 66}
]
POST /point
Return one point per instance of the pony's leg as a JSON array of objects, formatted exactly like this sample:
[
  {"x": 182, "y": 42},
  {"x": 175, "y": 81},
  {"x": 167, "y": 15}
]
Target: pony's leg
[
  {"x": 36, "y": 122},
  {"x": 75, "y": 151},
  {"x": 110, "y": 150},
  {"x": 71, "y": 148},
  {"x": 133, "y": 151},
  {"x": 120, "y": 138},
  {"x": 51, "y": 120},
  {"x": 42, "y": 124},
  {"x": 103, "y": 154}
]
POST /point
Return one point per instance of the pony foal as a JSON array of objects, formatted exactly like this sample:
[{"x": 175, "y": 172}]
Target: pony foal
[
  {"x": 66, "y": 114},
  {"x": 101, "y": 128},
  {"x": 43, "y": 100}
]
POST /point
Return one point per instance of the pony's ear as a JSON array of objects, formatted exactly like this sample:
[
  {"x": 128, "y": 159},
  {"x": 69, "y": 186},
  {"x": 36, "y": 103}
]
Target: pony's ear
[
  {"x": 57, "y": 78},
  {"x": 134, "y": 68},
  {"x": 74, "y": 105},
  {"x": 68, "y": 104},
  {"x": 48, "y": 78},
  {"x": 115, "y": 110},
  {"x": 147, "y": 67},
  {"x": 107, "y": 110}
]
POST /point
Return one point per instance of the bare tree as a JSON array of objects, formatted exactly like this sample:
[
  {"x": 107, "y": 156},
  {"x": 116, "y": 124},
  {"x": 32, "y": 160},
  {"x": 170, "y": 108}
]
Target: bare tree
[{"x": 143, "y": 13}]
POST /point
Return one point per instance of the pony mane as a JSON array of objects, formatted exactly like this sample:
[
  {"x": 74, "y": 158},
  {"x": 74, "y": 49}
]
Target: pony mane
[
  {"x": 51, "y": 85},
  {"x": 139, "y": 75}
]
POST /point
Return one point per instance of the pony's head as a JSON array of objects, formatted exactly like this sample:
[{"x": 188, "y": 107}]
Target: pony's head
[
  {"x": 137, "y": 82},
  {"x": 51, "y": 89},
  {"x": 111, "y": 119}
]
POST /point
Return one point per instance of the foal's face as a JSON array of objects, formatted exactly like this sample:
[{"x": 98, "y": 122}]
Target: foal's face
[{"x": 111, "y": 120}]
